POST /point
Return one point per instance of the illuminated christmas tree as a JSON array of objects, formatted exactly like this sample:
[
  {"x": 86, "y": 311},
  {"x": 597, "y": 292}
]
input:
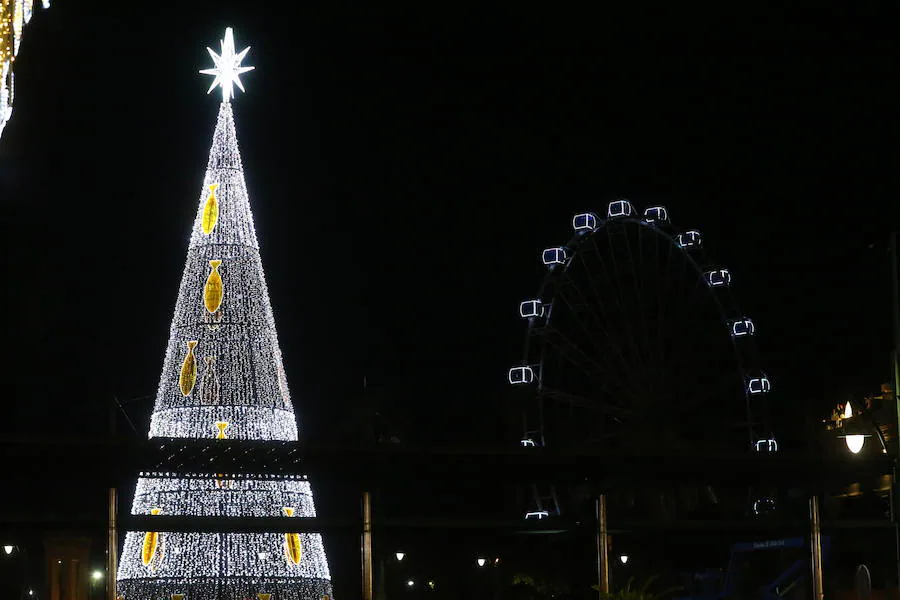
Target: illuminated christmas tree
[{"x": 223, "y": 378}]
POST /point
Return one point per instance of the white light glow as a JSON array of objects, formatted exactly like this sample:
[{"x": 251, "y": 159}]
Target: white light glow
[
  {"x": 14, "y": 16},
  {"x": 531, "y": 308},
  {"x": 656, "y": 214},
  {"x": 481, "y": 562},
  {"x": 539, "y": 514},
  {"x": 619, "y": 208},
  {"x": 410, "y": 583},
  {"x": 97, "y": 575},
  {"x": 855, "y": 443},
  {"x": 688, "y": 239},
  {"x": 623, "y": 559},
  {"x": 241, "y": 382},
  {"x": 718, "y": 277},
  {"x": 584, "y": 222},
  {"x": 520, "y": 375},
  {"x": 228, "y": 69},
  {"x": 8, "y": 549},
  {"x": 400, "y": 555},
  {"x": 554, "y": 256}
]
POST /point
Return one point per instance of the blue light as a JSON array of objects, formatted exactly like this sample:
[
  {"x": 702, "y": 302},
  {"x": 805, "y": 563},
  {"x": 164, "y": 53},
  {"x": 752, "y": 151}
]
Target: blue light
[
  {"x": 554, "y": 256},
  {"x": 531, "y": 308},
  {"x": 521, "y": 375},
  {"x": 718, "y": 278},
  {"x": 584, "y": 222},
  {"x": 619, "y": 208},
  {"x": 688, "y": 239},
  {"x": 656, "y": 215}
]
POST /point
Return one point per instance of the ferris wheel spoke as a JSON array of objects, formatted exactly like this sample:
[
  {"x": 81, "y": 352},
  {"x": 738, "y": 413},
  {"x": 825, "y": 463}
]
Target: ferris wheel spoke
[
  {"x": 592, "y": 337},
  {"x": 608, "y": 331},
  {"x": 578, "y": 358},
  {"x": 611, "y": 283},
  {"x": 637, "y": 302},
  {"x": 582, "y": 402}
]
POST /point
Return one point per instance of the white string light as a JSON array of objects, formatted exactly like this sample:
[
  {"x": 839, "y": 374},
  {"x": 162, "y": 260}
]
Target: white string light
[{"x": 240, "y": 392}]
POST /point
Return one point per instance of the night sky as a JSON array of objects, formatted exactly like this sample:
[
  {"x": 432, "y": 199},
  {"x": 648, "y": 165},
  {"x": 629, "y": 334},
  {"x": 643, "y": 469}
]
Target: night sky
[
  {"x": 406, "y": 166},
  {"x": 405, "y": 170}
]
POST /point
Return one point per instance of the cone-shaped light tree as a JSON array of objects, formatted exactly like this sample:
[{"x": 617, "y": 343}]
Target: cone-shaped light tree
[{"x": 223, "y": 378}]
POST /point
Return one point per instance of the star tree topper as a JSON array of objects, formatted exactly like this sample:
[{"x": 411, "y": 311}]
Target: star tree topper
[{"x": 228, "y": 68}]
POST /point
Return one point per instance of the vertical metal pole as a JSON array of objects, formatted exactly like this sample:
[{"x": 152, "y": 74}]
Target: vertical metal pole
[
  {"x": 112, "y": 546},
  {"x": 367, "y": 580},
  {"x": 895, "y": 355},
  {"x": 815, "y": 546},
  {"x": 602, "y": 546}
]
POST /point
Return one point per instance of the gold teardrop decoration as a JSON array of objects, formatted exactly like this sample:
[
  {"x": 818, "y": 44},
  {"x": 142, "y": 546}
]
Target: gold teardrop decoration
[
  {"x": 188, "y": 376},
  {"x": 264, "y": 596},
  {"x": 151, "y": 542},
  {"x": 221, "y": 426},
  {"x": 209, "y": 384},
  {"x": 292, "y": 549},
  {"x": 210, "y": 211},
  {"x": 212, "y": 291}
]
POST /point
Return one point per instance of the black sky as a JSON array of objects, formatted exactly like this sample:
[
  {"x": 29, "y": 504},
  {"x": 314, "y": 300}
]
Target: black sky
[{"x": 406, "y": 165}]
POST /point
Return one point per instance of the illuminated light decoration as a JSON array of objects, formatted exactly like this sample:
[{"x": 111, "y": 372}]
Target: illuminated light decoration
[
  {"x": 718, "y": 278},
  {"x": 688, "y": 239},
  {"x": 623, "y": 559},
  {"x": 212, "y": 291},
  {"x": 151, "y": 544},
  {"x": 210, "y": 211},
  {"x": 619, "y": 208},
  {"x": 264, "y": 596},
  {"x": 768, "y": 445},
  {"x": 292, "y": 548},
  {"x": 584, "y": 222},
  {"x": 177, "y": 596},
  {"x": 188, "y": 374},
  {"x": 8, "y": 549},
  {"x": 531, "y": 308},
  {"x": 656, "y": 215},
  {"x": 763, "y": 506},
  {"x": 221, "y": 426},
  {"x": 538, "y": 514},
  {"x": 14, "y": 15},
  {"x": 209, "y": 384},
  {"x": 759, "y": 385},
  {"x": 528, "y": 443},
  {"x": 742, "y": 328},
  {"x": 520, "y": 375},
  {"x": 855, "y": 442},
  {"x": 253, "y": 396},
  {"x": 554, "y": 256},
  {"x": 228, "y": 69}
]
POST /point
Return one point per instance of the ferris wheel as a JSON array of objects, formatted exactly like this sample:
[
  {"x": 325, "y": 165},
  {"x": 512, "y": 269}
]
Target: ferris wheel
[{"x": 635, "y": 344}]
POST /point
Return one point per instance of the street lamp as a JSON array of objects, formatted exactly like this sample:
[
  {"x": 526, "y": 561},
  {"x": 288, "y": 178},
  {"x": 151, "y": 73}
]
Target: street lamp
[
  {"x": 97, "y": 575},
  {"x": 852, "y": 431},
  {"x": 623, "y": 559},
  {"x": 399, "y": 556},
  {"x": 410, "y": 583},
  {"x": 9, "y": 549},
  {"x": 481, "y": 562}
]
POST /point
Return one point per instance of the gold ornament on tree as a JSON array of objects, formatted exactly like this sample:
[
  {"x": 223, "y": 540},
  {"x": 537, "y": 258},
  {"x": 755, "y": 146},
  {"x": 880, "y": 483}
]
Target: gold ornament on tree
[
  {"x": 221, "y": 426},
  {"x": 264, "y": 596},
  {"x": 210, "y": 211},
  {"x": 151, "y": 543},
  {"x": 212, "y": 291},
  {"x": 292, "y": 549},
  {"x": 188, "y": 376}
]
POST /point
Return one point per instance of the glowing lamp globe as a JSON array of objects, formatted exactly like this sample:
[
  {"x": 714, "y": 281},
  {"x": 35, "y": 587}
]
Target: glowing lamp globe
[{"x": 855, "y": 443}]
